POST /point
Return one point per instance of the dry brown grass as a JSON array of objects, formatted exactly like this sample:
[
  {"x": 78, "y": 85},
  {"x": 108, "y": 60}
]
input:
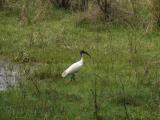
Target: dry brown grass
[
  {"x": 90, "y": 16},
  {"x": 119, "y": 12},
  {"x": 42, "y": 10},
  {"x": 155, "y": 16},
  {"x": 23, "y": 16}
]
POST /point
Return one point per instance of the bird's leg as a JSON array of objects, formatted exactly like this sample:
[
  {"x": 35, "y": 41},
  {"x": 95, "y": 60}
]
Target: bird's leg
[{"x": 73, "y": 77}]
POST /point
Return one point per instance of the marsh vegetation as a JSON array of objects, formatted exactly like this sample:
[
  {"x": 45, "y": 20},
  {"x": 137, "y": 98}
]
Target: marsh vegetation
[{"x": 120, "y": 81}]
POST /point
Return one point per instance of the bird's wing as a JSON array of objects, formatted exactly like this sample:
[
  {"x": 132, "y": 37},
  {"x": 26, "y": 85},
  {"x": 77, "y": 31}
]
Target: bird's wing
[{"x": 72, "y": 69}]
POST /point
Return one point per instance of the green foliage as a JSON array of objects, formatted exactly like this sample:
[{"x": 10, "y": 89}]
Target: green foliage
[{"x": 119, "y": 55}]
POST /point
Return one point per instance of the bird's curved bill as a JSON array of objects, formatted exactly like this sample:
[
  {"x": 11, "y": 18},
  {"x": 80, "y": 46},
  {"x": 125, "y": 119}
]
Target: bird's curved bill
[{"x": 87, "y": 54}]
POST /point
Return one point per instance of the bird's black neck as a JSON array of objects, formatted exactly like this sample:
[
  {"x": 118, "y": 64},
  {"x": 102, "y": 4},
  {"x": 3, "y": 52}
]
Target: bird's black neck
[{"x": 81, "y": 54}]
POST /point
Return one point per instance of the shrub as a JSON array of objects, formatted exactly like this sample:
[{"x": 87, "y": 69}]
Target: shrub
[
  {"x": 105, "y": 7},
  {"x": 2, "y": 3},
  {"x": 62, "y": 3},
  {"x": 155, "y": 17},
  {"x": 114, "y": 10}
]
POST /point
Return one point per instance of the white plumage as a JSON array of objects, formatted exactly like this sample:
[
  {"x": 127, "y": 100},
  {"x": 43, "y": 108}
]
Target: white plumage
[{"x": 75, "y": 67}]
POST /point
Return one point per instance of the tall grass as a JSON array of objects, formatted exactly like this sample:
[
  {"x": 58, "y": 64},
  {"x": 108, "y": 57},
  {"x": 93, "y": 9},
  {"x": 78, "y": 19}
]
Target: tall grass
[{"x": 125, "y": 65}]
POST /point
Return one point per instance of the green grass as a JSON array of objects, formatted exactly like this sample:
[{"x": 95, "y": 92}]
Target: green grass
[{"x": 54, "y": 44}]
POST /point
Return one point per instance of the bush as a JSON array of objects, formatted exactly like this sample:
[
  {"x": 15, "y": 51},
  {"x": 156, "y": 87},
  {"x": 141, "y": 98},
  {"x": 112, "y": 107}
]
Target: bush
[
  {"x": 71, "y": 4},
  {"x": 116, "y": 11},
  {"x": 81, "y": 5},
  {"x": 1, "y": 3},
  {"x": 106, "y": 8},
  {"x": 10, "y": 5},
  {"x": 92, "y": 15},
  {"x": 155, "y": 10},
  {"x": 62, "y": 3}
]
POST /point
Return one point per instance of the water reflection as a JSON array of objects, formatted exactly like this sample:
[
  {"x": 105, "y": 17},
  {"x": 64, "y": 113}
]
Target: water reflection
[{"x": 8, "y": 75}]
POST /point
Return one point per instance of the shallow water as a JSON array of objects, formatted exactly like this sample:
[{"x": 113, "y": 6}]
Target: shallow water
[{"x": 8, "y": 75}]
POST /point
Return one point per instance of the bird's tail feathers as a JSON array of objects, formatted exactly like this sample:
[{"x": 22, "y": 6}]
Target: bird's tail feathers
[{"x": 64, "y": 74}]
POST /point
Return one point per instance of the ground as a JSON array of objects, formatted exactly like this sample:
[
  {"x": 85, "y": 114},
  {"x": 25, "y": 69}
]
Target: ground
[{"x": 124, "y": 63}]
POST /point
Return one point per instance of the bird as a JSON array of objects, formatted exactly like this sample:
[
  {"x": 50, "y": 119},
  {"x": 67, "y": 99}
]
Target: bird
[{"x": 75, "y": 67}]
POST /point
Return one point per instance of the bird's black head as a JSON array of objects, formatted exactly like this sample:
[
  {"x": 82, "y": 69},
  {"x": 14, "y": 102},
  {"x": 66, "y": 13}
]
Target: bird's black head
[{"x": 84, "y": 52}]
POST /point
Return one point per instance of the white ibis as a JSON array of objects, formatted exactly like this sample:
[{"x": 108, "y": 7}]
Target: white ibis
[{"x": 75, "y": 67}]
